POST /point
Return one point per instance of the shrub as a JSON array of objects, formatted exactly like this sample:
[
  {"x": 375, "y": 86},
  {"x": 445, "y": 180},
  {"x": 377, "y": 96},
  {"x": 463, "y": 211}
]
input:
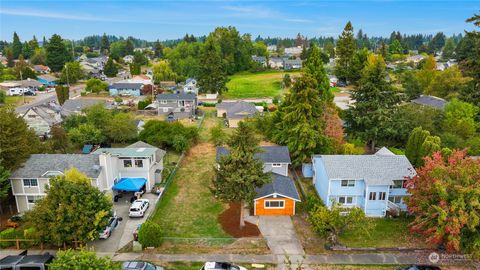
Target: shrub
[
  {"x": 83, "y": 93},
  {"x": 7, "y": 234},
  {"x": 217, "y": 136},
  {"x": 118, "y": 99},
  {"x": 150, "y": 234},
  {"x": 208, "y": 104}
]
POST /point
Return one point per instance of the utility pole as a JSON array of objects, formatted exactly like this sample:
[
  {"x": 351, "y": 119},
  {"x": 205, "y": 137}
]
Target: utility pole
[{"x": 23, "y": 89}]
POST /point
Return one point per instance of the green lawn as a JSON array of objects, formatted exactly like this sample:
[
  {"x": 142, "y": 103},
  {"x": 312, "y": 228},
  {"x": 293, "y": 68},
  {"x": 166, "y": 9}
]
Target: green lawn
[
  {"x": 383, "y": 233},
  {"x": 256, "y": 85},
  {"x": 16, "y": 100}
]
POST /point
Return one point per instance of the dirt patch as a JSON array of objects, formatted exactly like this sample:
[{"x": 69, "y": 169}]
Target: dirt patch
[
  {"x": 230, "y": 223},
  {"x": 200, "y": 150}
]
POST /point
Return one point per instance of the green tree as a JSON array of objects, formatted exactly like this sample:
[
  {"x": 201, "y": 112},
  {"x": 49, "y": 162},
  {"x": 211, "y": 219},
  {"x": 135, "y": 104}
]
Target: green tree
[
  {"x": 135, "y": 69},
  {"x": 358, "y": 63},
  {"x": 118, "y": 49},
  {"x": 121, "y": 128},
  {"x": 10, "y": 58},
  {"x": 163, "y": 72},
  {"x": 395, "y": 47},
  {"x": 4, "y": 182},
  {"x": 239, "y": 173},
  {"x": 150, "y": 234},
  {"x": 63, "y": 93},
  {"x": 448, "y": 83},
  {"x": 111, "y": 69},
  {"x": 158, "y": 49},
  {"x": 86, "y": 134},
  {"x": 95, "y": 85},
  {"x": 211, "y": 77},
  {"x": 33, "y": 43},
  {"x": 411, "y": 86},
  {"x": 298, "y": 122},
  {"x": 426, "y": 75},
  {"x": 3, "y": 97},
  {"x": 27, "y": 51},
  {"x": 140, "y": 59},
  {"x": 82, "y": 259},
  {"x": 421, "y": 144},
  {"x": 22, "y": 70},
  {"x": 16, "y": 46},
  {"x": 449, "y": 49},
  {"x": 344, "y": 52},
  {"x": 104, "y": 44},
  {"x": 459, "y": 119},
  {"x": 72, "y": 73},
  {"x": 332, "y": 223},
  {"x": 218, "y": 136},
  {"x": 72, "y": 210},
  {"x": 129, "y": 47},
  {"x": 39, "y": 57},
  {"x": 56, "y": 53},
  {"x": 329, "y": 48},
  {"x": 314, "y": 68},
  {"x": 375, "y": 104},
  {"x": 287, "y": 80},
  {"x": 163, "y": 135},
  {"x": 468, "y": 56},
  {"x": 17, "y": 140},
  {"x": 59, "y": 140}
]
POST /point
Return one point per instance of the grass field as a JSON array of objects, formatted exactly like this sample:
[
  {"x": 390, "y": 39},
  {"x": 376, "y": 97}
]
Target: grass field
[
  {"x": 256, "y": 85},
  {"x": 188, "y": 208},
  {"x": 16, "y": 100}
]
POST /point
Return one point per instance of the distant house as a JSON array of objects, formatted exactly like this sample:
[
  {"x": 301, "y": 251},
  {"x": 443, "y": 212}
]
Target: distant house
[
  {"x": 128, "y": 59},
  {"x": 76, "y": 106},
  {"x": 190, "y": 86},
  {"x": 234, "y": 112},
  {"x": 125, "y": 89},
  {"x": 375, "y": 183},
  {"x": 292, "y": 64},
  {"x": 280, "y": 196},
  {"x": 272, "y": 48},
  {"x": 41, "y": 119},
  {"x": 276, "y": 62},
  {"x": 293, "y": 50},
  {"x": 415, "y": 58},
  {"x": 47, "y": 80},
  {"x": 260, "y": 59},
  {"x": 178, "y": 105},
  {"x": 172, "y": 85},
  {"x": 41, "y": 69},
  {"x": 430, "y": 101}
]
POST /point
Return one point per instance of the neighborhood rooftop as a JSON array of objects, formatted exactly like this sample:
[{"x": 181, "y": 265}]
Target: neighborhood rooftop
[
  {"x": 430, "y": 101},
  {"x": 126, "y": 85},
  {"x": 184, "y": 96},
  {"x": 39, "y": 164},
  {"x": 268, "y": 154},
  {"x": 240, "y": 109},
  {"x": 281, "y": 185},
  {"x": 376, "y": 169},
  {"x": 127, "y": 152}
]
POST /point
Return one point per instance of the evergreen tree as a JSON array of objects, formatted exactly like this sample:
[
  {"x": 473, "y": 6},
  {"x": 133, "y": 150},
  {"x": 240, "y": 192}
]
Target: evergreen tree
[
  {"x": 448, "y": 49},
  {"x": 329, "y": 48},
  {"x": 63, "y": 93},
  {"x": 16, "y": 46},
  {"x": 298, "y": 121},
  {"x": 158, "y": 49},
  {"x": 129, "y": 47},
  {"x": 468, "y": 56},
  {"x": 411, "y": 86},
  {"x": 10, "y": 58},
  {"x": 395, "y": 47},
  {"x": 56, "y": 53},
  {"x": 314, "y": 67},
  {"x": 135, "y": 69},
  {"x": 33, "y": 43},
  {"x": 104, "y": 44},
  {"x": 211, "y": 77},
  {"x": 110, "y": 69},
  {"x": 383, "y": 50},
  {"x": 44, "y": 42},
  {"x": 4, "y": 182},
  {"x": 358, "y": 63},
  {"x": 345, "y": 50},
  {"x": 27, "y": 51},
  {"x": 239, "y": 173},
  {"x": 414, "y": 144},
  {"x": 371, "y": 116}
]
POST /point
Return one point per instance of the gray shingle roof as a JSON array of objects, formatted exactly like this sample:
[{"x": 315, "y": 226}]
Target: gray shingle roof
[
  {"x": 281, "y": 185},
  {"x": 180, "y": 96},
  {"x": 76, "y": 105},
  {"x": 241, "y": 109},
  {"x": 374, "y": 169},
  {"x": 430, "y": 101},
  {"x": 159, "y": 153},
  {"x": 269, "y": 154},
  {"x": 126, "y": 86},
  {"x": 38, "y": 164},
  {"x": 49, "y": 115}
]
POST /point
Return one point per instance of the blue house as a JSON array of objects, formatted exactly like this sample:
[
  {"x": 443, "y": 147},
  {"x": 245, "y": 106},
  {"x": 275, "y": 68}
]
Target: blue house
[
  {"x": 374, "y": 183},
  {"x": 47, "y": 80},
  {"x": 125, "y": 89}
]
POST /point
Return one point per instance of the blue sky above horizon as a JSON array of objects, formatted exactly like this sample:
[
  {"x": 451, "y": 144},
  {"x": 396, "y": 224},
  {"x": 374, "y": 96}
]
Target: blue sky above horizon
[{"x": 155, "y": 19}]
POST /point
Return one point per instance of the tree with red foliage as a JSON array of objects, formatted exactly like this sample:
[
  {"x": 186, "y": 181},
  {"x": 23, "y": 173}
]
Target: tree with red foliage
[
  {"x": 445, "y": 199},
  {"x": 333, "y": 128}
]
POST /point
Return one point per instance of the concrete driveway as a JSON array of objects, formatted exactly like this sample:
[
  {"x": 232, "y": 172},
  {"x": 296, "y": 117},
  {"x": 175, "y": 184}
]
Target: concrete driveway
[
  {"x": 123, "y": 234},
  {"x": 280, "y": 235}
]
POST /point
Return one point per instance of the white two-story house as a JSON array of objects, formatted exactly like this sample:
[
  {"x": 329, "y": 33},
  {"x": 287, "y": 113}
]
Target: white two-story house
[
  {"x": 374, "y": 183},
  {"x": 106, "y": 167}
]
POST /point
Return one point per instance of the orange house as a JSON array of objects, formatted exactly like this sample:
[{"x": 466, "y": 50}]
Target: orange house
[{"x": 277, "y": 198}]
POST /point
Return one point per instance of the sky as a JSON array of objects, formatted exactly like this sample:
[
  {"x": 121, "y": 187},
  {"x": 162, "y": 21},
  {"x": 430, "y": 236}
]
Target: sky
[{"x": 156, "y": 19}]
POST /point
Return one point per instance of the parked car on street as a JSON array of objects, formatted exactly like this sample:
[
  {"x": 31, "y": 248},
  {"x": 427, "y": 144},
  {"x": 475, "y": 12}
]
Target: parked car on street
[
  {"x": 112, "y": 224},
  {"x": 29, "y": 93},
  {"x": 221, "y": 266},
  {"x": 138, "y": 208},
  {"x": 139, "y": 265},
  {"x": 419, "y": 267}
]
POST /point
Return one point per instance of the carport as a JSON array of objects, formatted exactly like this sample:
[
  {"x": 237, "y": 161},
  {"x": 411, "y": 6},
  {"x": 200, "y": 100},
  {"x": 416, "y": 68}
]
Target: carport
[{"x": 129, "y": 185}]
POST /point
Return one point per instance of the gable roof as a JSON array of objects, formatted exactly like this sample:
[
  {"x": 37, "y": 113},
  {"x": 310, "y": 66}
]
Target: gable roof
[
  {"x": 241, "y": 109},
  {"x": 377, "y": 169},
  {"x": 42, "y": 111},
  {"x": 76, "y": 105},
  {"x": 125, "y": 85},
  {"x": 281, "y": 185},
  {"x": 179, "y": 96},
  {"x": 268, "y": 154},
  {"x": 431, "y": 101},
  {"x": 38, "y": 164}
]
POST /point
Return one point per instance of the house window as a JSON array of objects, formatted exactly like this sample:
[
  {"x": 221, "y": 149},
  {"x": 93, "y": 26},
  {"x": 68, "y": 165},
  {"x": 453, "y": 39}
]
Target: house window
[
  {"x": 395, "y": 199},
  {"x": 372, "y": 196},
  {"x": 345, "y": 200},
  {"x": 382, "y": 196},
  {"x": 398, "y": 184},
  {"x": 276, "y": 165},
  {"x": 127, "y": 163},
  {"x": 138, "y": 163},
  {"x": 163, "y": 102},
  {"x": 33, "y": 199},
  {"x": 348, "y": 183},
  {"x": 274, "y": 204},
  {"x": 30, "y": 183}
]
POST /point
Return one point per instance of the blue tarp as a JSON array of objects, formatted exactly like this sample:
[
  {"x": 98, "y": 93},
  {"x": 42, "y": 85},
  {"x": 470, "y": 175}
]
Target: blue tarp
[
  {"x": 87, "y": 148},
  {"x": 130, "y": 184}
]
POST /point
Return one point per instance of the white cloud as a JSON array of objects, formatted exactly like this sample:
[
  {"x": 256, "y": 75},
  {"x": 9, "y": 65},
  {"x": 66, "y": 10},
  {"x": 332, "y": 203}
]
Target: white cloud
[
  {"x": 250, "y": 11},
  {"x": 51, "y": 15}
]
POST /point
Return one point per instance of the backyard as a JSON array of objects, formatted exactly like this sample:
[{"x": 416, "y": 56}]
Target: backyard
[{"x": 256, "y": 85}]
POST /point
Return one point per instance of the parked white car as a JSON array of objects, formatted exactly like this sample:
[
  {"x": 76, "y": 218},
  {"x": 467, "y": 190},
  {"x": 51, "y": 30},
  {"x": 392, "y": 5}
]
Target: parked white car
[
  {"x": 138, "y": 208},
  {"x": 16, "y": 91},
  {"x": 221, "y": 266}
]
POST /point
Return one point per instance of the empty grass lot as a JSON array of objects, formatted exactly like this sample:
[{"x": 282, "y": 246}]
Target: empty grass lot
[
  {"x": 256, "y": 85},
  {"x": 188, "y": 208}
]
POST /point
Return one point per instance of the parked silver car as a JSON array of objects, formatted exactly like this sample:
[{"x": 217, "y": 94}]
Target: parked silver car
[
  {"x": 112, "y": 224},
  {"x": 139, "y": 265}
]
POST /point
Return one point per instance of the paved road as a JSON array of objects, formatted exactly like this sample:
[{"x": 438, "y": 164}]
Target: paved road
[{"x": 44, "y": 98}]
